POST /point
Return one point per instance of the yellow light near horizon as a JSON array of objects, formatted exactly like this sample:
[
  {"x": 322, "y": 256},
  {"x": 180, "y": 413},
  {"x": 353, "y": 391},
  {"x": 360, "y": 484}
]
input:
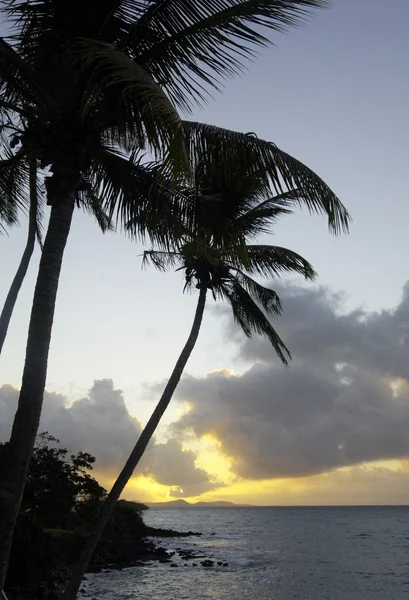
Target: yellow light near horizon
[
  {"x": 366, "y": 483},
  {"x": 393, "y": 464},
  {"x": 139, "y": 488},
  {"x": 210, "y": 458},
  {"x": 146, "y": 489}
]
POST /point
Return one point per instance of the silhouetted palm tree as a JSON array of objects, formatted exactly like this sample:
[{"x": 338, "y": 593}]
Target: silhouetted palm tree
[
  {"x": 215, "y": 256},
  {"x": 88, "y": 85},
  {"x": 33, "y": 232},
  {"x": 69, "y": 130}
]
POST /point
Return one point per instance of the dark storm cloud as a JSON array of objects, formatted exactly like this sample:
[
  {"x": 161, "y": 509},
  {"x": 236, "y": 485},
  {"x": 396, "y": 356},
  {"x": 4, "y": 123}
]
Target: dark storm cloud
[
  {"x": 100, "y": 424},
  {"x": 333, "y": 407},
  {"x": 319, "y": 332}
]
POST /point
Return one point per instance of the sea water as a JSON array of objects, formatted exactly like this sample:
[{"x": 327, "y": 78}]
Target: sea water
[{"x": 332, "y": 553}]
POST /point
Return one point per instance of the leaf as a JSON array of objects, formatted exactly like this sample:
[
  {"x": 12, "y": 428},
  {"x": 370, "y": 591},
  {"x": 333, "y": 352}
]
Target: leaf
[
  {"x": 88, "y": 200},
  {"x": 137, "y": 104},
  {"x": 161, "y": 260},
  {"x": 268, "y": 298},
  {"x": 236, "y": 152},
  {"x": 134, "y": 196},
  {"x": 13, "y": 188},
  {"x": 273, "y": 261},
  {"x": 19, "y": 86},
  {"x": 191, "y": 45},
  {"x": 252, "y": 319}
]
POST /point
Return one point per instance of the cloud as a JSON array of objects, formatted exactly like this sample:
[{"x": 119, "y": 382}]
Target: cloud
[
  {"x": 171, "y": 465},
  {"x": 343, "y": 401},
  {"x": 100, "y": 424},
  {"x": 319, "y": 333}
]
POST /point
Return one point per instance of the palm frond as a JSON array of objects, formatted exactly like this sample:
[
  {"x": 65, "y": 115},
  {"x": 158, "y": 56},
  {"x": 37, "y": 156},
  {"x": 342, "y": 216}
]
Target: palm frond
[
  {"x": 260, "y": 201},
  {"x": 237, "y": 152},
  {"x": 211, "y": 224},
  {"x": 115, "y": 176},
  {"x": 161, "y": 260},
  {"x": 273, "y": 261},
  {"x": 267, "y": 297},
  {"x": 259, "y": 220},
  {"x": 137, "y": 104},
  {"x": 135, "y": 196},
  {"x": 192, "y": 45},
  {"x": 13, "y": 187},
  {"x": 54, "y": 22},
  {"x": 252, "y": 319},
  {"x": 19, "y": 86},
  {"x": 89, "y": 201}
]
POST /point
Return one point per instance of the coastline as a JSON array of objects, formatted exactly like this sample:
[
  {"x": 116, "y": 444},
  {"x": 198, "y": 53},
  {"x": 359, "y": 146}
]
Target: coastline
[{"x": 140, "y": 551}]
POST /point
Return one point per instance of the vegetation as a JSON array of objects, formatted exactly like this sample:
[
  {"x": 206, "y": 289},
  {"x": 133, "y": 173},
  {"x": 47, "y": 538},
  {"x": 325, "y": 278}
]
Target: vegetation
[
  {"x": 33, "y": 232},
  {"x": 215, "y": 256},
  {"x": 85, "y": 88},
  {"x": 59, "y": 505},
  {"x": 90, "y": 94}
]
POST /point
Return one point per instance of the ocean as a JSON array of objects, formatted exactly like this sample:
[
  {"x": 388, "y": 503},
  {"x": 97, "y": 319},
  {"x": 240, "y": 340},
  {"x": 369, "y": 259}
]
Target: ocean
[{"x": 332, "y": 553}]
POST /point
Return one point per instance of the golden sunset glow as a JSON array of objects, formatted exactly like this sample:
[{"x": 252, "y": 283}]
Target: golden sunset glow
[
  {"x": 358, "y": 484},
  {"x": 211, "y": 459},
  {"x": 382, "y": 481}
]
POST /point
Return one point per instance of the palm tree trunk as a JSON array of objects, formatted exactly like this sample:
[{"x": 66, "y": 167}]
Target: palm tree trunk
[
  {"x": 11, "y": 298},
  {"x": 136, "y": 454},
  {"x": 30, "y": 402}
]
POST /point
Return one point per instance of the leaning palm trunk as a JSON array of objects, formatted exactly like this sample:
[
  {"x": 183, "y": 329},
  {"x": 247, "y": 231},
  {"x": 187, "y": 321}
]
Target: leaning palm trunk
[
  {"x": 28, "y": 412},
  {"x": 136, "y": 454},
  {"x": 11, "y": 298}
]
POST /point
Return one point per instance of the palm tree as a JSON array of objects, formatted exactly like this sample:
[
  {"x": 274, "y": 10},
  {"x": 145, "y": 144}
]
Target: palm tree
[
  {"x": 16, "y": 179},
  {"x": 89, "y": 84},
  {"x": 33, "y": 232},
  {"x": 215, "y": 256},
  {"x": 84, "y": 170}
]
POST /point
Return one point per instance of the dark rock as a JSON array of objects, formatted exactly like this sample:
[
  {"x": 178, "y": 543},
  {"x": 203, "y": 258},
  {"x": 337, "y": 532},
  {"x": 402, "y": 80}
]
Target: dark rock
[
  {"x": 194, "y": 564},
  {"x": 174, "y": 565},
  {"x": 207, "y": 563},
  {"x": 189, "y": 555},
  {"x": 153, "y": 532}
]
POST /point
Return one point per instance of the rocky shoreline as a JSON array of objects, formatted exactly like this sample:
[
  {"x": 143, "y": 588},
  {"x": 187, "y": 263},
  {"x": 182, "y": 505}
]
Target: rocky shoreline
[{"x": 144, "y": 551}]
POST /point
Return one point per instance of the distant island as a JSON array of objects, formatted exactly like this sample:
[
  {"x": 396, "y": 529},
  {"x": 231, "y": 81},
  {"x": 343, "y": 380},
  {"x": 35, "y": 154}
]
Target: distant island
[{"x": 185, "y": 504}]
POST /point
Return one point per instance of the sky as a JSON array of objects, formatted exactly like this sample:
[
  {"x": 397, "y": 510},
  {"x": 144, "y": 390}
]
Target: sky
[{"x": 331, "y": 429}]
